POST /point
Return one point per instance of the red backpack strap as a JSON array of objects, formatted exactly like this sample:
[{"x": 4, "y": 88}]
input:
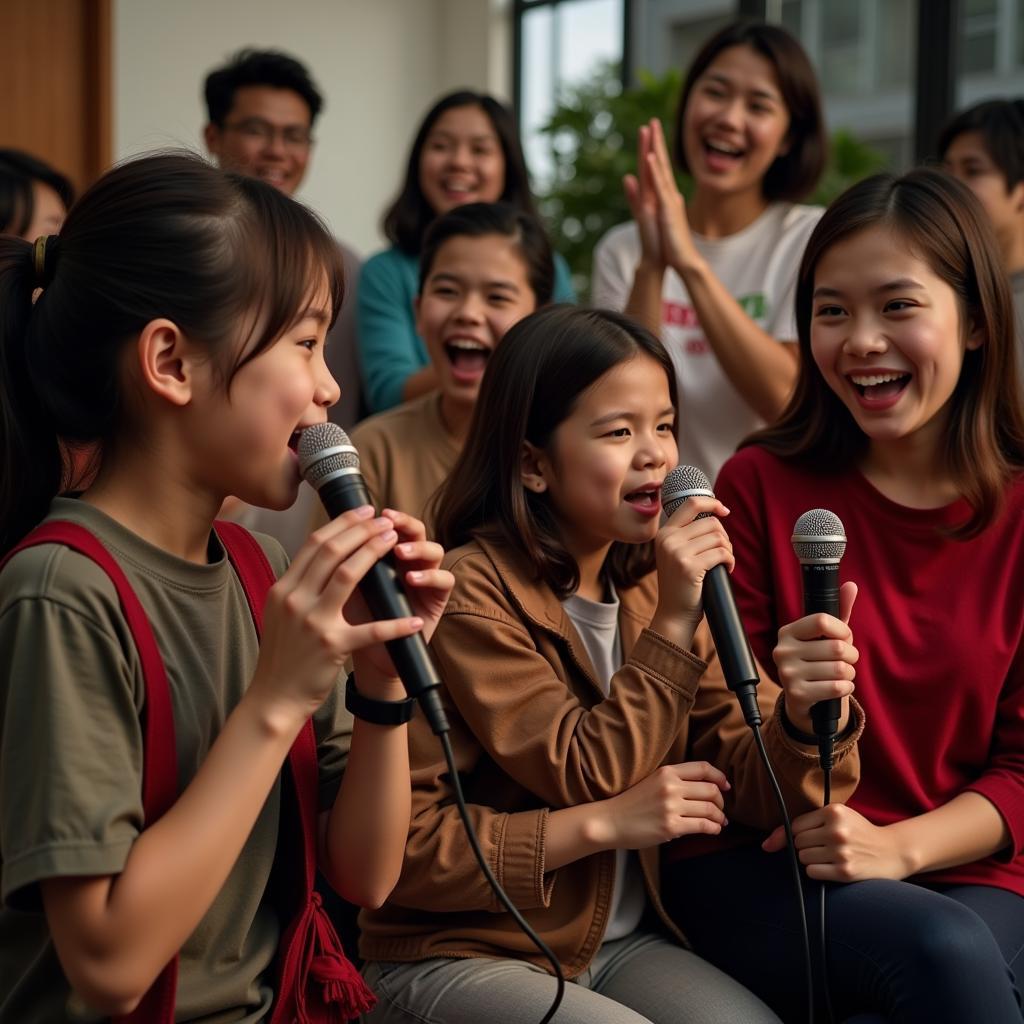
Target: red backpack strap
[
  {"x": 159, "y": 754},
  {"x": 318, "y": 982}
]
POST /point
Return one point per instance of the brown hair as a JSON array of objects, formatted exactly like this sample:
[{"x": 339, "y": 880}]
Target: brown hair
[
  {"x": 161, "y": 236},
  {"x": 408, "y": 217},
  {"x": 942, "y": 222},
  {"x": 530, "y": 386},
  {"x": 794, "y": 173}
]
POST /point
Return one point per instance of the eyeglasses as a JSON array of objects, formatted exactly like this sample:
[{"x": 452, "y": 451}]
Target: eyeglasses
[{"x": 255, "y": 128}]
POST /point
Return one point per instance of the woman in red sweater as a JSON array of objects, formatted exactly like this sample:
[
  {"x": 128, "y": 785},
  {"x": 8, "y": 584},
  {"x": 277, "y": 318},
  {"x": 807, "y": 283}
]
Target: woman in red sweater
[{"x": 905, "y": 424}]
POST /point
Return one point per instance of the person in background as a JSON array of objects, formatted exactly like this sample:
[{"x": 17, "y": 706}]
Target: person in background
[
  {"x": 907, "y": 424},
  {"x": 484, "y": 267},
  {"x": 34, "y": 198},
  {"x": 262, "y": 108},
  {"x": 983, "y": 146},
  {"x": 466, "y": 150},
  {"x": 714, "y": 276}
]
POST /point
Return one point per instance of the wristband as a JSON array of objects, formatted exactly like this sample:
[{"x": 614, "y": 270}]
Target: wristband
[{"x": 379, "y": 712}]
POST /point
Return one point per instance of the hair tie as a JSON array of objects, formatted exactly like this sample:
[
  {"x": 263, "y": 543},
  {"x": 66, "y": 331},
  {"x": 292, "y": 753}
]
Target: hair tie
[{"x": 44, "y": 259}]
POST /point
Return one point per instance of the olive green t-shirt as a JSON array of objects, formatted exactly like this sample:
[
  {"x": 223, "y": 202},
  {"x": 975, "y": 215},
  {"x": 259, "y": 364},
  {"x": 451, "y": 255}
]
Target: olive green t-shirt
[{"x": 71, "y": 693}]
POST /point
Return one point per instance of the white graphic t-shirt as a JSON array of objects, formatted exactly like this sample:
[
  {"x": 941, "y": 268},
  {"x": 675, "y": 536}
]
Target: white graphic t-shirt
[{"x": 758, "y": 266}]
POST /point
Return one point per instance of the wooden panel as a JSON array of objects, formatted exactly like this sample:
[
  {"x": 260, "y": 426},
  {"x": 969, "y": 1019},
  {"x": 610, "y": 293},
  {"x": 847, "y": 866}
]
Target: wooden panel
[{"x": 55, "y": 83}]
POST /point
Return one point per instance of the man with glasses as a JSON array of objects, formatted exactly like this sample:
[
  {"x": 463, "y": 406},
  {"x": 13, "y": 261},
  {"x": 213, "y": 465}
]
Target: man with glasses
[{"x": 262, "y": 106}]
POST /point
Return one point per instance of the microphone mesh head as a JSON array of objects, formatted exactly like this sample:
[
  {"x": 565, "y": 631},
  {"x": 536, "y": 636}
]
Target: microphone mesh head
[
  {"x": 682, "y": 483},
  {"x": 324, "y": 449},
  {"x": 819, "y": 536}
]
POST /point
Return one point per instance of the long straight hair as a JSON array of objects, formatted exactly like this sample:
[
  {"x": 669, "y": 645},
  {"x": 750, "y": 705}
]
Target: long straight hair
[
  {"x": 409, "y": 216},
  {"x": 165, "y": 236},
  {"x": 542, "y": 366},
  {"x": 942, "y": 223}
]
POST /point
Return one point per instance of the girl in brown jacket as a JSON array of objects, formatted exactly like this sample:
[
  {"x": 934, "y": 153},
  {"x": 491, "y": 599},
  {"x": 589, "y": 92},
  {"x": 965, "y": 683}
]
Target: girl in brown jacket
[{"x": 581, "y": 725}]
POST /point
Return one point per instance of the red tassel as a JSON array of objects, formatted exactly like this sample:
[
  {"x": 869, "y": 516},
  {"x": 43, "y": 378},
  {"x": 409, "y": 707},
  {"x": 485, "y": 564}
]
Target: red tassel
[{"x": 327, "y": 988}]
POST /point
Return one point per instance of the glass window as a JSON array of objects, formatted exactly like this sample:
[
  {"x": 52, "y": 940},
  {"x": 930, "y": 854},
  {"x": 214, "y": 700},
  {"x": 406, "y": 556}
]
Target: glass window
[
  {"x": 563, "y": 44},
  {"x": 990, "y": 54},
  {"x": 895, "y": 44},
  {"x": 792, "y": 16},
  {"x": 842, "y": 35},
  {"x": 979, "y": 21}
]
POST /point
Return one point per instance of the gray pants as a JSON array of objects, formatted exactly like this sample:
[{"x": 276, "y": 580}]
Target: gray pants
[{"x": 641, "y": 979}]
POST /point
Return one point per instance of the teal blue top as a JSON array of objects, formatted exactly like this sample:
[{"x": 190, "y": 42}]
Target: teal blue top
[{"x": 389, "y": 347}]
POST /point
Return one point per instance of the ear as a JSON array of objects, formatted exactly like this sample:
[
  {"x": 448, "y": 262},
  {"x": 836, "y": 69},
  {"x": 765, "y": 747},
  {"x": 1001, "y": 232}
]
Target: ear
[
  {"x": 211, "y": 136},
  {"x": 977, "y": 335},
  {"x": 1017, "y": 196},
  {"x": 167, "y": 362},
  {"x": 533, "y": 467}
]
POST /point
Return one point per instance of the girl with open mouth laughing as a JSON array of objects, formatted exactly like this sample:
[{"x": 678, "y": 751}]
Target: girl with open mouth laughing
[{"x": 906, "y": 424}]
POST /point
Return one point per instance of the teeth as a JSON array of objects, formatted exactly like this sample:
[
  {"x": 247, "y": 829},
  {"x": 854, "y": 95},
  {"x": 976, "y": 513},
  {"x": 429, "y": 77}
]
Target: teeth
[
  {"x": 867, "y": 381},
  {"x": 466, "y": 345},
  {"x": 720, "y": 147}
]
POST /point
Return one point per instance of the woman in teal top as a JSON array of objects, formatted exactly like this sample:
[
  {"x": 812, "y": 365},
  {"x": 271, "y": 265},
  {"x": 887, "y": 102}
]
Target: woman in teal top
[{"x": 466, "y": 151}]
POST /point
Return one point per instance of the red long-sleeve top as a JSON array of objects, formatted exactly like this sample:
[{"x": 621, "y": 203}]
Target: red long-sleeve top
[{"x": 939, "y": 624}]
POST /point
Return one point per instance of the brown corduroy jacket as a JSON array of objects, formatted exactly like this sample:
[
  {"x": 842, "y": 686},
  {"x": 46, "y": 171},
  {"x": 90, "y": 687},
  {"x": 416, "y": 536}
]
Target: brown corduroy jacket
[{"x": 531, "y": 732}]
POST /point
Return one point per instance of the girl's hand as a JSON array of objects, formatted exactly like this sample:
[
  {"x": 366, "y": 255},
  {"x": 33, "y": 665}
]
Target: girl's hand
[
  {"x": 686, "y": 548},
  {"x": 306, "y": 634},
  {"x": 426, "y": 585},
  {"x": 815, "y": 658},
  {"x": 839, "y": 845},
  {"x": 676, "y": 800}
]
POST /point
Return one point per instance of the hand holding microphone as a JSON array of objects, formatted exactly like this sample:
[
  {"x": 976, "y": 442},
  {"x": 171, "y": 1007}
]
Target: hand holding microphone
[
  {"x": 731, "y": 642},
  {"x": 815, "y": 655},
  {"x": 330, "y": 464}
]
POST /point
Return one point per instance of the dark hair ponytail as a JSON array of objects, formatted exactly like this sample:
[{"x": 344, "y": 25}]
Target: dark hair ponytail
[
  {"x": 165, "y": 236},
  {"x": 32, "y": 463}
]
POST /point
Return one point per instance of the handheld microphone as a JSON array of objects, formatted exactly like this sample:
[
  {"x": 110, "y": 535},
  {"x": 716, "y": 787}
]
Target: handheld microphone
[
  {"x": 819, "y": 541},
  {"x": 330, "y": 465},
  {"x": 719, "y": 604}
]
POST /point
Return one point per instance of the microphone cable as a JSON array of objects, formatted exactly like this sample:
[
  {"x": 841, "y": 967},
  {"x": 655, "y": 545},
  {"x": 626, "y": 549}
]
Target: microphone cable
[
  {"x": 330, "y": 465},
  {"x": 826, "y": 771},
  {"x": 794, "y": 863},
  {"x": 503, "y": 897}
]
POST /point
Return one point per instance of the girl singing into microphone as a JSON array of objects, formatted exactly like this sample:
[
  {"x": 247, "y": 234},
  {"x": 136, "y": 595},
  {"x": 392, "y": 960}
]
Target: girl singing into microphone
[
  {"x": 906, "y": 424},
  {"x": 586, "y": 702},
  {"x": 143, "y": 727}
]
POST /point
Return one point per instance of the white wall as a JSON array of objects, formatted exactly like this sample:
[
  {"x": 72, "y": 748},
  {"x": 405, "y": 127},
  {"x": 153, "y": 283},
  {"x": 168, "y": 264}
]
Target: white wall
[{"x": 379, "y": 63}]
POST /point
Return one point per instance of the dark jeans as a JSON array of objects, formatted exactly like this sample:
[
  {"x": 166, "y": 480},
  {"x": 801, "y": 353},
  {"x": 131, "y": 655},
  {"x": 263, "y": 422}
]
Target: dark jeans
[{"x": 897, "y": 951}]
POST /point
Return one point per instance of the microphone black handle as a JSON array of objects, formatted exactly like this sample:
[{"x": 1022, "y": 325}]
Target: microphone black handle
[
  {"x": 821, "y": 594},
  {"x": 731, "y": 642},
  {"x": 382, "y": 590}
]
